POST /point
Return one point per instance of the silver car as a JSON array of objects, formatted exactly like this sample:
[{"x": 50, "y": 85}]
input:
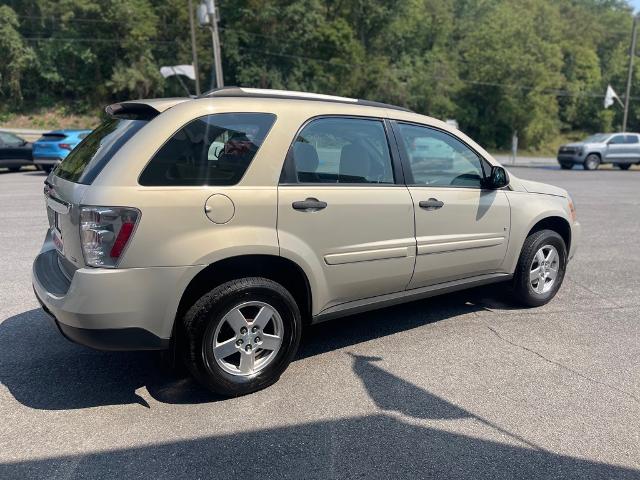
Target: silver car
[{"x": 621, "y": 149}]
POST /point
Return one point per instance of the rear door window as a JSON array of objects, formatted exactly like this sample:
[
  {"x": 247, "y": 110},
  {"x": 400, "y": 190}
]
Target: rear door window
[
  {"x": 343, "y": 151},
  {"x": 630, "y": 139},
  {"x": 210, "y": 150},
  {"x": 52, "y": 137},
  {"x": 87, "y": 160}
]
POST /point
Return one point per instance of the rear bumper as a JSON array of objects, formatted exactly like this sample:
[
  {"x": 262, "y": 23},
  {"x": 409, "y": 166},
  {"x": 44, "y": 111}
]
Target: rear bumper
[
  {"x": 116, "y": 339},
  {"x": 111, "y": 309},
  {"x": 47, "y": 161}
]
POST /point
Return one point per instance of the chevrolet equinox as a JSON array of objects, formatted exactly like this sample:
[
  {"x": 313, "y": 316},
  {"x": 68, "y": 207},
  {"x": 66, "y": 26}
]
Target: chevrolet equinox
[{"x": 218, "y": 226}]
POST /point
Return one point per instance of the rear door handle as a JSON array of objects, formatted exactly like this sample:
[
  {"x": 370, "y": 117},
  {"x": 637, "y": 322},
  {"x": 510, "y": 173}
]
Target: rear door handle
[
  {"x": 309, "y": 205},
  {"x": 431, "y": 204}
]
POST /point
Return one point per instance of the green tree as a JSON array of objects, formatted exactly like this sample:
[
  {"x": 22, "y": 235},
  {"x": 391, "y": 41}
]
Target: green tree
[
  {"x": 540, "y": 67},
  {"x": 16, "y": 55}
]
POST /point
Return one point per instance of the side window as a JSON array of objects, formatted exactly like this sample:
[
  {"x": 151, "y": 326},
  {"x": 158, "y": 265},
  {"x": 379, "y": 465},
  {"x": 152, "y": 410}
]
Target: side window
[
  {"x": 630, "y": 139},
  {"x": 616, "y": 140},
  {"x": 9, "y": 140},
  {"x": 439, "y": 159},
  {"x": 342, "y": 150},
  {"x": 211, "y": 150}
]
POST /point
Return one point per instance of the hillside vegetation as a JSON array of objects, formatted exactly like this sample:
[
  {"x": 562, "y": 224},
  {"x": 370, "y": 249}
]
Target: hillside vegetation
[{"x": 540, "y": 67}]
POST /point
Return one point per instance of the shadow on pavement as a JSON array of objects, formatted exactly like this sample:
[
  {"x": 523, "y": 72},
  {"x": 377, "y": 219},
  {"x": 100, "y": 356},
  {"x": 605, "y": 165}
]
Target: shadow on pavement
[
  {"x": 347, "y": 331},
  {"x": 43, "y": 370},
  {"x": 370, "y": 447}
]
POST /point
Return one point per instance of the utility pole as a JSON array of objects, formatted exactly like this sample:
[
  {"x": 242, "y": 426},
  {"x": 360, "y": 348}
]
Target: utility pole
[
  {"x": 194, "y": 51},
  {"x": 212, "y": 14},
  {"x": 630, "y": 75}
]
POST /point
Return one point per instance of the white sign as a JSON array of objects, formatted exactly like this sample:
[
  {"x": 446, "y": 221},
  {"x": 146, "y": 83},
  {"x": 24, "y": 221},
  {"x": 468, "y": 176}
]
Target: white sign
[
  {"x": 609, "y": 96},
  {"x": 186, "y": 70}
]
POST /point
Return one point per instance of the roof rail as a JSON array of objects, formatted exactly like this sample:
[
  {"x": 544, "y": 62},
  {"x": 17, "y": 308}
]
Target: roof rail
[{"x": 292, "y": 95}]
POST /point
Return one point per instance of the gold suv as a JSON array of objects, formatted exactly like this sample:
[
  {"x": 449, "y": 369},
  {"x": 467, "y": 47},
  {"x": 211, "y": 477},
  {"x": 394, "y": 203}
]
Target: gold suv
[{"x": 218, "y": 226}]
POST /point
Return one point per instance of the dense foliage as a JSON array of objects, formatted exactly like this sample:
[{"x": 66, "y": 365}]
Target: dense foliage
[{"x": 535, "y": 66}]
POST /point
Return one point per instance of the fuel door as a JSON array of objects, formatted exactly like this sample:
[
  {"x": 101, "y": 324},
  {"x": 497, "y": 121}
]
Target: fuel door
[{"x": 219, "y": 208}]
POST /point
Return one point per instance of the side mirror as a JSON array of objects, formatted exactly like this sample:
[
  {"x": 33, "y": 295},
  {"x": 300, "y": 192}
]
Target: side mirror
[{"x": 498, "y": 178}]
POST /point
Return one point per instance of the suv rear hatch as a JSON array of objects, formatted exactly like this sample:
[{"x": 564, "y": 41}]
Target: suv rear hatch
[
  {"x": 48, "y": 143},
  {"x": 66, "y": 187}
]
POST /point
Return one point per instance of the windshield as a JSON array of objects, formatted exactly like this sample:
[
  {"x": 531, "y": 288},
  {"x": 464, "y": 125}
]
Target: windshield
[
  {"x": 597, "y": 138},
  {"x": 87, "y": 160}
]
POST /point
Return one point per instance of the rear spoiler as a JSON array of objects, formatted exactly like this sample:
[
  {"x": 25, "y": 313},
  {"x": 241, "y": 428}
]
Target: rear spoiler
[{"x": 141, "y": 109}]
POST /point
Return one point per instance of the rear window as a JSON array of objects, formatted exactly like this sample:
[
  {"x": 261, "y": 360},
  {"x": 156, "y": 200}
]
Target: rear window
[
  {"x": 52, "y": 137},
  {"x": 87, "y": 160},
  {"x": 211, "y": 150}
]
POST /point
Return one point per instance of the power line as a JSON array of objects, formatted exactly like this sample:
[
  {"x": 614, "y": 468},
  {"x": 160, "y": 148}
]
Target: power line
[
  {"x": 333, "y": 62},
  {"x": 68, "y": 20},
  {"x": 94, "y": 40},
  {"x": 339, "y": 63},
  {"x": 551, "y": 92}
]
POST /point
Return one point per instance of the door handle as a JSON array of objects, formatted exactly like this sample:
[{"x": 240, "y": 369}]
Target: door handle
[
  {"x": 431, "y": 204},
  {"x": 309, "y": 205}
]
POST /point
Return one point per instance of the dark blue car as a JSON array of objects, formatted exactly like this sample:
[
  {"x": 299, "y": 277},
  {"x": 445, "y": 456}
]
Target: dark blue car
[{"x": 53, "y": 147}]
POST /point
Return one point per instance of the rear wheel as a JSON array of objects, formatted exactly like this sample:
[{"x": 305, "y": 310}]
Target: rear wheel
[
  {"x": 242, "y": 335},
  {"x": 566, "y": 166},
  {"x": 624, "y": 166},
  {"x": 592, "y": 162},
  {"x": 540, "y": 269}
]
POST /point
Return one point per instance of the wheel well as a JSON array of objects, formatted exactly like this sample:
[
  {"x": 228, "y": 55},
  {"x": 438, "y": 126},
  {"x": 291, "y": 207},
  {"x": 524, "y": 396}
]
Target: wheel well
[
  {"x": 279, "y": 269},
  {"x": 597, "y": 154},
  {"x": 557, "y": 224}
]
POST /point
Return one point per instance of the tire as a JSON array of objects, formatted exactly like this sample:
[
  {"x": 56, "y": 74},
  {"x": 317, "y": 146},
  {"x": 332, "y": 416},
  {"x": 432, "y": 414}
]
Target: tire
[
  {"x": 14, "y": 169},
  {"x": 210, "y": 319},
  {"x": 624, "y": 166},
  {"x": 566, "y": 166},
  {"x": 526, "y": 289},
  {"x": 47, "y": 168},
  {"x": 592, "y": 162}
]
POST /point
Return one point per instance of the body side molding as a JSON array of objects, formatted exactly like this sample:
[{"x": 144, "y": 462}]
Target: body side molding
[{"x": 372, "y": 303}]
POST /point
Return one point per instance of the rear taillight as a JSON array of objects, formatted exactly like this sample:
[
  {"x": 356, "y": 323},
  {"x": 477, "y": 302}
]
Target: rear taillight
[
  {"x": 66, "y": 146},
  {"x": 105, "y": 233}
]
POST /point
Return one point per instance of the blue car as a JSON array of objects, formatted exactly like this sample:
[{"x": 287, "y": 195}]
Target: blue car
[{"x": 53, "y": 147}]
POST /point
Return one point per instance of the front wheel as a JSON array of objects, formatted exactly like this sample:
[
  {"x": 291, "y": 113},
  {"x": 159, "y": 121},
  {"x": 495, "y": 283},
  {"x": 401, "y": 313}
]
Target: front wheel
[
  {"x": 242, "y": 335},
  {"x": 566, "y": 166},
  {"x": 541, "y": 268},
  {"x": 592, "y": 162}
]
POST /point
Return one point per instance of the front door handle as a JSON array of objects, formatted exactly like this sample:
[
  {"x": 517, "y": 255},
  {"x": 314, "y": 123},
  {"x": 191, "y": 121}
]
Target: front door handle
[
  {"x": 431, "y": 204},
  {"x": 309, "y": 205}
]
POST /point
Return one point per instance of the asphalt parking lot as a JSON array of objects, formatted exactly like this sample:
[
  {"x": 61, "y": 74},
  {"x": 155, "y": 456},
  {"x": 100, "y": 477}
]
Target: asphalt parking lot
[{"x": 464, "y": 386}]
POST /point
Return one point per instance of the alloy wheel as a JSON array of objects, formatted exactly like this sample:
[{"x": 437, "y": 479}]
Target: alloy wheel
[
  {"x": 248, "y": 338},
  {"x": 544, "y": 269}
]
